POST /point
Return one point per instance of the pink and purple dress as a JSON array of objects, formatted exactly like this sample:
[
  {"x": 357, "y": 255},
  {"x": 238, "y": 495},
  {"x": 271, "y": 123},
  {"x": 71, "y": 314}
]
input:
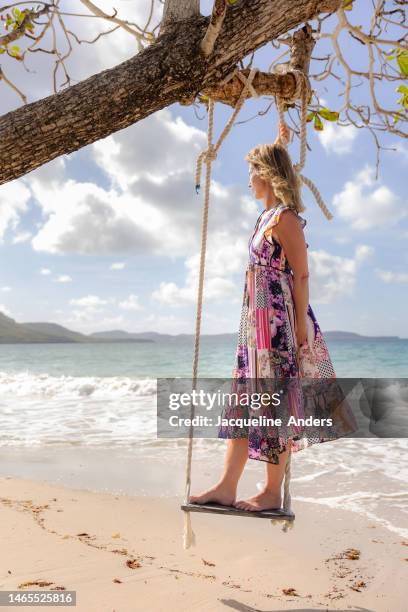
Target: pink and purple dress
[{"x": 267, "y": 351}]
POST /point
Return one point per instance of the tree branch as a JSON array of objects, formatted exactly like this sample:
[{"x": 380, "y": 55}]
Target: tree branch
[
  {"x": 267, "y": 83},
  {"x": 171, "y": 70},
  {"x": 100, "y": 13},
  {"x": 20, "y": 30},
  {"x": 175, "y": 11},
  {"x": 214, "y": 27}
]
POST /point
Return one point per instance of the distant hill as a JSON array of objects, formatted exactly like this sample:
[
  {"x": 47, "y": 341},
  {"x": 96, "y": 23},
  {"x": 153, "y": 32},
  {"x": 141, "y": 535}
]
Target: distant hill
[
  {"x": 12, "y": 332},
  {"x": 342, "y": 335},
  {"x": 56, "y": 331},
  {"x": 115, "y": 334},
  {"x": 121, "y": 335},
  {"x": 156, "y": 337},
  {"x": 151, "y": 336}
]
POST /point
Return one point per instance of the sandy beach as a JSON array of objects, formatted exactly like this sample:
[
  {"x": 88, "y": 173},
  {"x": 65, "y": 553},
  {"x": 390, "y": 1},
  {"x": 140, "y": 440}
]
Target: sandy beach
[{"x": 124, "y": 553}]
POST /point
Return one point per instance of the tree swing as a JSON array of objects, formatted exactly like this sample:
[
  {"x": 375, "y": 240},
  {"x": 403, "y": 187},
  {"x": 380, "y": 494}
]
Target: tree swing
[{"x": 283, "y": 516}]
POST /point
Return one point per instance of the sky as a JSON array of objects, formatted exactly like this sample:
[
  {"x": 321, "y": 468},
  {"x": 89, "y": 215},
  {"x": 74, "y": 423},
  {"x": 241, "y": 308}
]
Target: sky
[{"x": 109, "y": 236}]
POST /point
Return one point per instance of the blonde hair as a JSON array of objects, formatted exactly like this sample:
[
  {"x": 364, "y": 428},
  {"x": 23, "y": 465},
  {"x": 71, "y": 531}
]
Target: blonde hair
[{"x": 272, "y": 163}]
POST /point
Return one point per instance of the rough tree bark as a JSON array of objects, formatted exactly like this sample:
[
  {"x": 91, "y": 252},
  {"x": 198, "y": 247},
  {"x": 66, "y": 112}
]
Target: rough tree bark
[
  {"x": 266, "y": 83},
  {"x": 178, "y": 10},
  {"x": 171, "y": 70}
]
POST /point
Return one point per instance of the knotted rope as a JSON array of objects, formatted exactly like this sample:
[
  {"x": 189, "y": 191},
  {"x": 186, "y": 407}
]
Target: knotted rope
[
  {"x": 302, "y": 89},
  {"x": 210, "y": 153}
]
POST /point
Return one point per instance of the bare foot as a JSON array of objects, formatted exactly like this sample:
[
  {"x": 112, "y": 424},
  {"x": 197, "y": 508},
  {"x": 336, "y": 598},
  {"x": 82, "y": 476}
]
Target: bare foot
[
  {"x": 219, "y": 493},
  {"x": 266, "y": 500}
]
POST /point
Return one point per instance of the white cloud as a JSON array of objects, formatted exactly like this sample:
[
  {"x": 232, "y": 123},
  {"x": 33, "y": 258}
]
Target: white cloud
[
  {"x": 88, "y": 321},
  {"x": 89, "y": 220},
  {"x": 226, "y": 256},
  {"x": 332, "y": 276},
  {"x": 88, "y": 314},
  {"x": 342, "y": 239},
  {"x": 14, "y": 197},
  {"x": 63, "y": 278},
  {"x": 21, "y": 237},
  {"x": 117, "y": 266},
  {"x": 157, "y": 147},
  {"x": 6, "y": 289},
  {"x": 336, "y": 138},
  {"x": 45, "y": 271},
  {"x": 366, "y": 205},
  {"x": 140, "y": 212},
  {"x": 166, "y": 323},
  {"x": 392, "y": 277},
  {"x": 363, "y": 253},
  {"x": 172, "y": 295},
  {"x": 131, "y": 303},
  {"x": 89, "y": 301}
]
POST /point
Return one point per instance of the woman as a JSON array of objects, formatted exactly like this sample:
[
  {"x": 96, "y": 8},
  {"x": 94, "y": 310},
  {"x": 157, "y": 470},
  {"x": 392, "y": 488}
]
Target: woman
[{"x": 278, "y": 335}]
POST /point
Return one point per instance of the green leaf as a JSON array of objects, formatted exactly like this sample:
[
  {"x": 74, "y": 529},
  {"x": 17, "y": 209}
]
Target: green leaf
[
  {"x": 14, "y": 51},
  {"x": 310, "y": 117},
  {"x": 328, "y": 114},
  {"x": 231, "y": 2},
  {"x": 318, "y": 125},
  {"x": 2, "y": 50},
  {"x": 401, "y": 56},
  {"x": 402, "y": 61},
  {"x": 348, "y": 5},
  {"x": 404, "y": 98}
]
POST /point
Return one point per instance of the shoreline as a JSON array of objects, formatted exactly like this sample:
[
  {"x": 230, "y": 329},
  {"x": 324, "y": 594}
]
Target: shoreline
[
  {"x": 343, "y": 474},
  {"x": 128, "y": 549}
]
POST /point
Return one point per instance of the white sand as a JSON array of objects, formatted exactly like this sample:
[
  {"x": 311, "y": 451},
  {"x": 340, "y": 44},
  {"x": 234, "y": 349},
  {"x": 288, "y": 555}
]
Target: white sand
[{"x": 238, "y": 563}]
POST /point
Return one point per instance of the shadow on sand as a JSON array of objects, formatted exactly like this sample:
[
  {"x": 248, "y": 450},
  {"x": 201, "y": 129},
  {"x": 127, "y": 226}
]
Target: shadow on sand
[{"x": 236, "y": 605}]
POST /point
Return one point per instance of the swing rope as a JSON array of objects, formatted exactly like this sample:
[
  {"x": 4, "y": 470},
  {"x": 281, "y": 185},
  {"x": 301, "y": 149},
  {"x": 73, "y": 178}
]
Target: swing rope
[
  {"x": 208, "y": 156},
  {"x": 301, "y": 90}
]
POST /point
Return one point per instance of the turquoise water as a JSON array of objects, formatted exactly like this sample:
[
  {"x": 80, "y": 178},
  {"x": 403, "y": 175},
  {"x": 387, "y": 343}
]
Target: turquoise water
[
  {"x": 174, "y": 358},
  {"x": 105, "y": 394}
]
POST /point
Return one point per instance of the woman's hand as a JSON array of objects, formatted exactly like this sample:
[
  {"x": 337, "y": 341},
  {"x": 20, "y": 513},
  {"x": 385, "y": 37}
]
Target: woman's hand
[
  {"x": 301, "y": 333},
  {"x": 285, "y": 134}
]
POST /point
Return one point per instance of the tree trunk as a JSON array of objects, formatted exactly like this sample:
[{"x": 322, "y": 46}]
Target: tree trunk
[
  {"x": 178, "y": 10},
  {"x": 171, "y": 70}
]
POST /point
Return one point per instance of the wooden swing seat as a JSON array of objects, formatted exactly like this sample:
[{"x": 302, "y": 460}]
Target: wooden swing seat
[{"x": 214, "y": 508}]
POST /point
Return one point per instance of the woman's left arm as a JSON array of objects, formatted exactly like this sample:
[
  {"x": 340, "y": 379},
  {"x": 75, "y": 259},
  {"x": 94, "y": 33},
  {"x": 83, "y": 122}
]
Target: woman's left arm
[{"x": 291, "y": 237}]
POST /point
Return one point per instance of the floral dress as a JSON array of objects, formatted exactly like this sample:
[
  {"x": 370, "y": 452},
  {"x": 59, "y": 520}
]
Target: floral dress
[{"x": 267, "y": 355}]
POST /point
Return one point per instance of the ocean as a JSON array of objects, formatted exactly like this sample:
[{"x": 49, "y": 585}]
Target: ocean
[{"x": 100, "y": 400}]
